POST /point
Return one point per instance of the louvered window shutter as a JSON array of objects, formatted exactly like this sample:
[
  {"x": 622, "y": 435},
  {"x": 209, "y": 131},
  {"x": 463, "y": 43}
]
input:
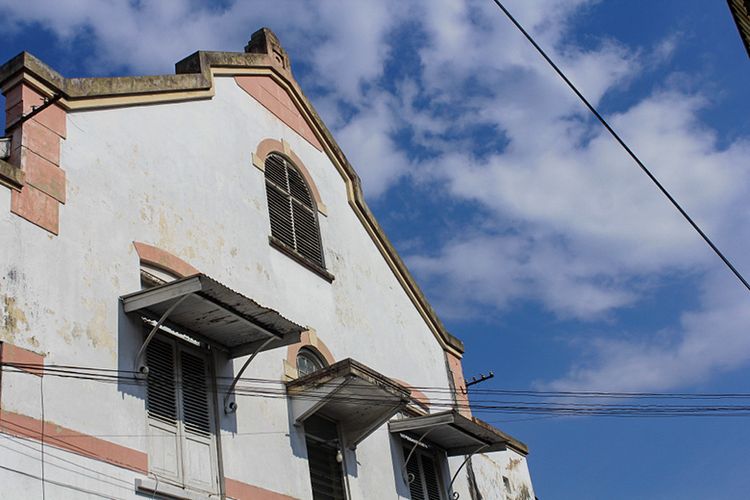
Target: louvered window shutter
[
  {"x": 431, "y": 478},
  {"x": 425, "y": 479},
  {"x": 181, "y": 438},
  {"x": 415, "y": 476},
  {"x": 294, "y": 219},
  {"x": 197, "y": 442},
  {"x": 164, "y": 442}
]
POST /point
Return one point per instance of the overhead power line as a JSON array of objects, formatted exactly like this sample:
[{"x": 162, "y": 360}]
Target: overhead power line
[
  {"x": 440, "y": 398},
  {"x": 624, "y": 145}
]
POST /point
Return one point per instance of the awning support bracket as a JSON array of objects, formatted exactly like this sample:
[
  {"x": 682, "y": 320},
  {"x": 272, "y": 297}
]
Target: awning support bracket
[
  {"x": 231, "y": 406},
  {"x": 404, "y": 470},
  {"x": 141, "y": 370},
  {"x": 455, "y": 494}
]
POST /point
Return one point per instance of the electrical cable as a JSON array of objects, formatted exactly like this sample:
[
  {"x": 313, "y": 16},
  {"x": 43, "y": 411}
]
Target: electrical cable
[
  {"x": 738, "y": 404},
  {"x": 41, "y": 448},
  {"x": 624, "y": 145}
]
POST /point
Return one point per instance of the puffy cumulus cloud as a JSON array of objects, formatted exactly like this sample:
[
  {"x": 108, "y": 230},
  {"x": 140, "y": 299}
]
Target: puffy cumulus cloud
[
  {"x": 367, "y": 138},
  {"x": 712, "y": 339},
  {"x": 589, "y": 191},
  {"x": 500, "y": 270},
  {"x": 345, "y": 49},
  {"x": 571, "y": 222}
]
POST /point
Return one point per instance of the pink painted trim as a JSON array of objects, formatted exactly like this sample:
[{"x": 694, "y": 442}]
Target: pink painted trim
[
  {"x": 277, "y": 100},
  {"x": 162, "y": 259},
  {"x": 268, "y": 146},
  {"x": 35, "y": 148},
  {"x": 243, "y": 491},
  {"x": 10, "y": 353},
  {"x": 37, "y": 207},
  {"x": 19, "y": 425},
  {"x": 457, "y": 372},
  {"x": 304, "y": 341},
  {"x": 416, "y": 395}
]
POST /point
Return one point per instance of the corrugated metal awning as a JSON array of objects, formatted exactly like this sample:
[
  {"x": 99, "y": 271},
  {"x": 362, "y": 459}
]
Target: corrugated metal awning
[
  {"x": 457, "y": 434},
  {"x": 350, "y": 393},
  {"x": 211, "y": 312}
]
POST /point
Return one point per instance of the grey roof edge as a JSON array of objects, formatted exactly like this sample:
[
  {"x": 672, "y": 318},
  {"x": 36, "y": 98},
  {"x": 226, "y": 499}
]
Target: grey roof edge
[
  {"x": 194, "y": 73},
  {"x": 201, "y": 291},
  {"x": 476, "y": 428},
  {"x": 82, "y": 88},
  {"x": 512, "y": 442},
  {"x": 741, "y": 13},
  {"x": 11, "y": 176},
  {"x": 346, "y": 368}
]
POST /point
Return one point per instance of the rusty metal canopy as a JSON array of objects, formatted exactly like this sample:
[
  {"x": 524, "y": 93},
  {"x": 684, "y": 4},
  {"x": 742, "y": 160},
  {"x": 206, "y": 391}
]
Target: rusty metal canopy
[
  {"x": 457, "y": 434},
  {"x": 350, "y": 393},
  {"x": 212, "y": 312}
]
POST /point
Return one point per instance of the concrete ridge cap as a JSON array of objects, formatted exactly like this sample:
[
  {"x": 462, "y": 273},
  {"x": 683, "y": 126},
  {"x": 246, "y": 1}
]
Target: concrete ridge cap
[{"x": 192, "y": 73}]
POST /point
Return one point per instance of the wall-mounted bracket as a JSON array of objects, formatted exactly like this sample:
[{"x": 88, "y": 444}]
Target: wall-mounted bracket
[
  {"x": 141, "y": 370},
  {"x": 455, "y": 494},
  {"x": 404, "y": 470},
  {"x": 231, "y": 406}
]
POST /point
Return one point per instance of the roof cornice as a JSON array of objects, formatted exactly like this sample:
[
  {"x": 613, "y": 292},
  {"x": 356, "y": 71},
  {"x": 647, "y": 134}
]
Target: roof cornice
[{"x": 741, "y": 12}]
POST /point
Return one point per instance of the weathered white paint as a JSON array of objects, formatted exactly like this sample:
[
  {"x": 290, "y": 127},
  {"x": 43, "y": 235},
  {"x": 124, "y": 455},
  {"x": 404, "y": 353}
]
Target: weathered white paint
[
  {"x": 502, "y": 475},
  {"x": 179, "y": 176}
]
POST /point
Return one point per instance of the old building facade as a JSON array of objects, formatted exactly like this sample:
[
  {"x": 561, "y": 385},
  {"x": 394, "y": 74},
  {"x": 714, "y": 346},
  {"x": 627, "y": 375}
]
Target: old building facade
[{"x": 196, "y": 302}]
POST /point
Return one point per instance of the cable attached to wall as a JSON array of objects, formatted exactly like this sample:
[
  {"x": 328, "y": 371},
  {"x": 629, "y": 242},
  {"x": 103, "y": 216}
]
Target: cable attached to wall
[{"x": 41, "y": 440}]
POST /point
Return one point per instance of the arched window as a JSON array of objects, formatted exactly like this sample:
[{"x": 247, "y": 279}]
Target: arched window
[
  {"x": 308, "y": 362},
  {"x": 294, "y": 219}
]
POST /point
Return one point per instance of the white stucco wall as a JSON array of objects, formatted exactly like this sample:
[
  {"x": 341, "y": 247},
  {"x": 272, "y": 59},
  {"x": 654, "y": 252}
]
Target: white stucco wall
[{"x": 179, "y": 176}]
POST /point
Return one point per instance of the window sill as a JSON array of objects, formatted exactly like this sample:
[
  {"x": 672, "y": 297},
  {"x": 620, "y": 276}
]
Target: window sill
[
  {"x": 304, "y": 261},
  {"x": 163, "y": 489}
]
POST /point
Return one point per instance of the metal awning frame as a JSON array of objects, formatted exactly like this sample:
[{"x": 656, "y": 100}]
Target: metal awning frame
[
  {"x": 190, "y": 286},
  {"x": 179, "y": 291},
  {"x": 330, "y": 382},
  {"x": 476, "y": 432}
]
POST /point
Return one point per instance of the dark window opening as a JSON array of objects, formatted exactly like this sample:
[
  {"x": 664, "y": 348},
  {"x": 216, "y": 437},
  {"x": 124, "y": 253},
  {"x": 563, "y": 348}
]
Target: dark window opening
[{"x": 324, "y": 458}]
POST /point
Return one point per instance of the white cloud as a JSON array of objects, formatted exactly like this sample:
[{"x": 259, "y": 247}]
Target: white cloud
[
  {"x": 712, "y": 339},
  {"x": 573, "y": 224}
]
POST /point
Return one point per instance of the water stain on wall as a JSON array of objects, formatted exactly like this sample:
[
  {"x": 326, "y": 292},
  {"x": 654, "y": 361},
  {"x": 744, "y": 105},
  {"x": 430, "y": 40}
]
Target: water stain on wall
[{"x": 13, "y": 319}]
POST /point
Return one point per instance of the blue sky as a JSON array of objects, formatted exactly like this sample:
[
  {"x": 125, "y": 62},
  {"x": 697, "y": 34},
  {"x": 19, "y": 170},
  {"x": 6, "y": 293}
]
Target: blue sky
[{"x": 538, "y": 241}]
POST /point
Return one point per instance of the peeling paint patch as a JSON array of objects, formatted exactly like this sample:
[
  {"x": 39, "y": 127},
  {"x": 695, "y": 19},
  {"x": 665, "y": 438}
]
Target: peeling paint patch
[
  {"x": 12, "y": 318},
  {"x": 96, "y": 329}
]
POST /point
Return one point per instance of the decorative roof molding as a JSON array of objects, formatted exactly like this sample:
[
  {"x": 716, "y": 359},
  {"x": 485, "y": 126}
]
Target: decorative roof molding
[
  {"x": 194, "y": 80},
  {"x": 741, "y": 13}
]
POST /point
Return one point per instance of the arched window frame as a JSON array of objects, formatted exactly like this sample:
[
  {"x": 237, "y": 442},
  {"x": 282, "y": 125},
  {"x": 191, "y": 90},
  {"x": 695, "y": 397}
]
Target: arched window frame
[
  {"x": 293, "y": 205},
  {"x": 311, "y": 355}
]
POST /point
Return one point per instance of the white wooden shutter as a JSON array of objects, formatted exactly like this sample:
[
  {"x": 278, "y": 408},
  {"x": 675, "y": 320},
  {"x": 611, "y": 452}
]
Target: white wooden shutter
[
  {"x": 164, "y": 443},
  {"x": 182, "y": 445},
  {"x": 198, "y": 445}
]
